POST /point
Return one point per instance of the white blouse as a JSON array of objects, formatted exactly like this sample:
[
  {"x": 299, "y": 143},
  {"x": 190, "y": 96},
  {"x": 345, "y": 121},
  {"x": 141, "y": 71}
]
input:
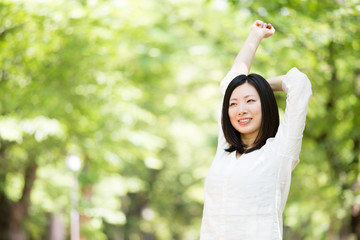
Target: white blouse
[{"x": 244, "y": 198}]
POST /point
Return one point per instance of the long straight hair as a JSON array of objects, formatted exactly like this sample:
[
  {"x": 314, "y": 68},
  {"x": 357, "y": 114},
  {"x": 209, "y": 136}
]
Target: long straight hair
[{"x": 269, "y": 109}]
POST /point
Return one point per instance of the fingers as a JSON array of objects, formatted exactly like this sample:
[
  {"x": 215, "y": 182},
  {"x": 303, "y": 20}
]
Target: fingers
[
  {"x": 264, "y": 30},
  {"x": 261, "y": 24}
]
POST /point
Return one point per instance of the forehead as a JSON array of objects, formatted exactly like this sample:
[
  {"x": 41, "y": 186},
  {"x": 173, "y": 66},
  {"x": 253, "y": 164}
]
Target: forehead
[{"x": 244, "y": 90}]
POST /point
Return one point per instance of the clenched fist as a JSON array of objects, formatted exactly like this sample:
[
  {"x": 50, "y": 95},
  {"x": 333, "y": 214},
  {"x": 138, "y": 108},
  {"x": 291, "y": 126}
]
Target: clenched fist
[{"x": 264, "y": 30}]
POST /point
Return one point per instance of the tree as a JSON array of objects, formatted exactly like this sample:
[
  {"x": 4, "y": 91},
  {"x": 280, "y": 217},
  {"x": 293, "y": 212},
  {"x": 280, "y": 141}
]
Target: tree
[{"x": 132, "y": 88}]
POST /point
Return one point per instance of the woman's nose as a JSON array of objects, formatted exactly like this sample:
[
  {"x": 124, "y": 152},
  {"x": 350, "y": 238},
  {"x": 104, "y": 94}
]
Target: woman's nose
[{"x": 242, "y": 109}]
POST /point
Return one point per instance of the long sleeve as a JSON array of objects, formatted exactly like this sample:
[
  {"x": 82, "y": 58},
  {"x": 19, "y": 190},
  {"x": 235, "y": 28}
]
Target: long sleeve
[{"x": 289, "y": 136}]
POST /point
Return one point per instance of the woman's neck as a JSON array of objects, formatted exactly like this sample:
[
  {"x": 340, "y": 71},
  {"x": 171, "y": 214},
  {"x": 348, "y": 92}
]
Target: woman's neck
[{"x": 248, "y": 140}]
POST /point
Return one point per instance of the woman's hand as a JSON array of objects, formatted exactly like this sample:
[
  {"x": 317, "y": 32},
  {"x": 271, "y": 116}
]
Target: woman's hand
[{"x": 263, "y": 30}]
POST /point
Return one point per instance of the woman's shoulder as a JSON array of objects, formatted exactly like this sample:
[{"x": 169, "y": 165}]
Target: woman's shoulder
[{"x": 269, "y": 145}]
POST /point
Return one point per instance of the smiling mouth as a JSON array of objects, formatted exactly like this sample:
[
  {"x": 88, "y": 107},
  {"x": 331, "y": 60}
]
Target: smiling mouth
[{"x": 244, "y": 121}]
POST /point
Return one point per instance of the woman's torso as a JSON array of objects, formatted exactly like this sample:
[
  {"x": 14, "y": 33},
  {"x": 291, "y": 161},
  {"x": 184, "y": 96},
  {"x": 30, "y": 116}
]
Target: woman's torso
[{"x": 241, "y": 200}]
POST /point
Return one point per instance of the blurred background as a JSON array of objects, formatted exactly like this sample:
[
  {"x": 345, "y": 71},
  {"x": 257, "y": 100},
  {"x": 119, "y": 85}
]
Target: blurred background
[{"x": 108, "y": 113}]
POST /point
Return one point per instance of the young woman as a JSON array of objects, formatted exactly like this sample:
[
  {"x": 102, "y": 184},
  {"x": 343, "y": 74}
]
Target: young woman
[{"x": 248, "y": 182}]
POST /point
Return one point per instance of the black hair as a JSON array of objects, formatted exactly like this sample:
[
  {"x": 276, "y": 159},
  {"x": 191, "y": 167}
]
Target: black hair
[{"x": 269, "y": 109}]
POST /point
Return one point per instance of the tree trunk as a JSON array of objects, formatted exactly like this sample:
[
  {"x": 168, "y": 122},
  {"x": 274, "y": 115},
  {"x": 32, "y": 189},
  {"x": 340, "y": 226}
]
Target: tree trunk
[
  {"x": 355, "y": 211},
  {"x": 20, "y": 210},
  {"x": 5, "y": 208},
  {"x": 5, "y": 216}
]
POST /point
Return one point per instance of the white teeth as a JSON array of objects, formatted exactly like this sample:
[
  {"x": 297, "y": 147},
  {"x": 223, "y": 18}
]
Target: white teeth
[{"x": 244, "y": 120}]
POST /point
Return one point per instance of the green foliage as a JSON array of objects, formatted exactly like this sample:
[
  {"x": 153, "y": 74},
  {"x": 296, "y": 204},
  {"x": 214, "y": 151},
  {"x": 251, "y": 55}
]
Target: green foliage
[{"x": 132, "y": 88}]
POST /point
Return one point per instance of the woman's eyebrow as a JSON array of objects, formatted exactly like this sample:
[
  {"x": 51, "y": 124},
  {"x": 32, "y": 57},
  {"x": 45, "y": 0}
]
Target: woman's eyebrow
[{"x": 235, "y": 98}]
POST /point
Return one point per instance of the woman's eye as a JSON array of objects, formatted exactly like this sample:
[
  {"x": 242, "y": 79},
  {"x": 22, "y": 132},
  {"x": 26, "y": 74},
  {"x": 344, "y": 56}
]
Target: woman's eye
[
  {"x": 232, "y": 104},
  {"x": 251, "y": 100}
]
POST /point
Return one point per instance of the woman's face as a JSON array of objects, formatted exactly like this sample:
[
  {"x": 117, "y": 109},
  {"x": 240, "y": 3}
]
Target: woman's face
[{"x": 245, "y": 112}]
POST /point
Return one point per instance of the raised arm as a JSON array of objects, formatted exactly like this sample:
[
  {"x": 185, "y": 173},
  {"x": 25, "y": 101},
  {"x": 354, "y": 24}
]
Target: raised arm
[
  {"x": 276, "y": 83},
  {"x": 288, "y": 138},
  {"x": 241, "y": 65},
  {"x": 243, "y": 60}
]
